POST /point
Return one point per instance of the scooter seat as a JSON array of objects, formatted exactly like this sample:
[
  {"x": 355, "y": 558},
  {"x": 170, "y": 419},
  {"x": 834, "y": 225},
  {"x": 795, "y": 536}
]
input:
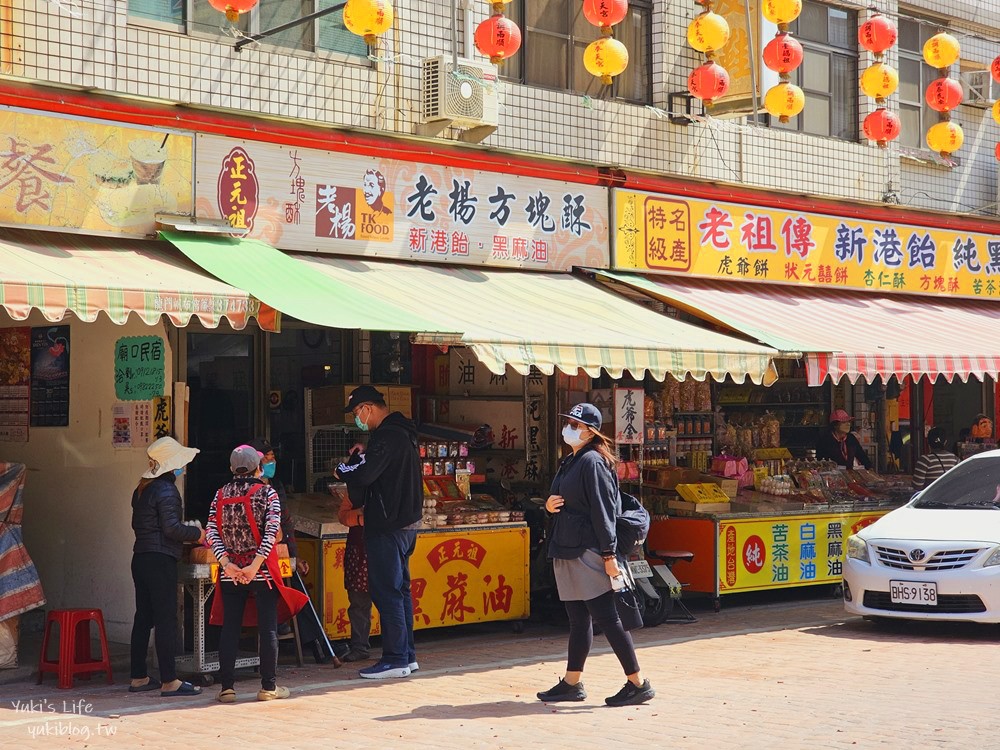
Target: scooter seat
[{"x": 672, "y": 556}]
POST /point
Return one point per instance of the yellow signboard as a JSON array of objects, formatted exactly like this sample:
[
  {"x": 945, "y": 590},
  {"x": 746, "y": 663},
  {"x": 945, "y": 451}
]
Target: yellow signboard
[
  {"x": 732, "y": 241},
  {"x": 772, "y": 553},
  {"x": 457, "y": 577},
  {"x": 81, "y": 174}
]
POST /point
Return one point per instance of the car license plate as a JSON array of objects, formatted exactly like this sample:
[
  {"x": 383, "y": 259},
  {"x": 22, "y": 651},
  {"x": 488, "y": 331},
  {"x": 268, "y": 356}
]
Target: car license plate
[
  {"x": 913, "y": 592},
  {"x": 640, "y": 569}
]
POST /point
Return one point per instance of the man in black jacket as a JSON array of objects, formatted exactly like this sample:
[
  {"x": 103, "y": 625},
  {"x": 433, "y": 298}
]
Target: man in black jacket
[{"x": 386, "y": 481}]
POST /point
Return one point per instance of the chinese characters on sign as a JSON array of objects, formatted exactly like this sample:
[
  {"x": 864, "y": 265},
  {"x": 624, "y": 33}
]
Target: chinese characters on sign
[
  {"x": 474, "y": 576},
  {"x": 393, "y": 209},
  {"x": 536, "y": 437},
  {"x": 740, "y": 242},
  {"x": 87, "y": 175},
  {"x": 759, "y": 554},
  {"x": 629, "y": 423},
  {"x": 238, "y": 190},
  {"x": 139, "y": 368},
  {"x": 161, "y": 417}
]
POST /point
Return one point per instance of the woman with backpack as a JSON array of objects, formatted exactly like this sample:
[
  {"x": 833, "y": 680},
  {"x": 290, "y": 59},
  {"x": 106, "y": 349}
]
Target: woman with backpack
[{"x": 585, "y": 503}]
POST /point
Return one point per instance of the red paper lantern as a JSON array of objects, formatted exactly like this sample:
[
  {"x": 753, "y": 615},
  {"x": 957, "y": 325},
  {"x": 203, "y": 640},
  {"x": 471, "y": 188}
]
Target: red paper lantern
[
  {"x": 498, "y": 37},
  {"x": 233, "y": 8},
  {"x": 944, "y": 94},
  {"x": 996, "y": 152},
  {"x": 783, "y": 54},
  {"x": 605, "y": 13},
  {"x": 708, "y": 82},
  {"x": 995, "y": 69},
  {"x": 877, "y": 34},
  {"x": 882, "y": 126}
]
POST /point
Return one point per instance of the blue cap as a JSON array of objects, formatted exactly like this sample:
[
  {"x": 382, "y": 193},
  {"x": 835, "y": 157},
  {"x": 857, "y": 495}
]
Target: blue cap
[{"x": 587, "y": 414}]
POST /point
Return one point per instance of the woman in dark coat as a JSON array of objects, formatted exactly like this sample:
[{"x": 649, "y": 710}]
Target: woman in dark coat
[
  {"x": 585, "y": 503},
  {"x": 159, "y": 540}
]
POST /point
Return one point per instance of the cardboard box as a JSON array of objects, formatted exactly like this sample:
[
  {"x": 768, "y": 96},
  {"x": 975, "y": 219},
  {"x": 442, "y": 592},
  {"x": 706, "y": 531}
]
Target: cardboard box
[
  {"x": 329, "y": 401},
  {"x": 670, "y": 477},
  {"x": 729, "y": 486},
  {"x": 328, "y": 404},
  {"x": 683, "y": 505}
]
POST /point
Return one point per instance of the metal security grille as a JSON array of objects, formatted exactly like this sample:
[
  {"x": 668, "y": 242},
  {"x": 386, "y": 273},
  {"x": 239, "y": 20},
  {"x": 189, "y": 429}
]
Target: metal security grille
[
  {"x": 945, "y": 560},
  {"x": 326, "y": 447}
]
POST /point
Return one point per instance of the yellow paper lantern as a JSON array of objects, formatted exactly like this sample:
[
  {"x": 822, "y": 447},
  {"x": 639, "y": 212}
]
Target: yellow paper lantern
[
  {"x": 996, "y": 111},
  {"x": 941, "y": 50},
  {"x": 879, "y": 81},
  {"x": 708, "y": 32},
  {"x": 368, "y": 18},
  {"x": 605, "y": 58},
  {"x": 781, "y": 11},
  {"x": 784, "y": 101},
  {"x": 945, "y": 137}
]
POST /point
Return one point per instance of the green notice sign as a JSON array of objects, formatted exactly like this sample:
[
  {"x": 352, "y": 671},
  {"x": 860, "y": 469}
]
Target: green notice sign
[{"x": 139, "y": 368}]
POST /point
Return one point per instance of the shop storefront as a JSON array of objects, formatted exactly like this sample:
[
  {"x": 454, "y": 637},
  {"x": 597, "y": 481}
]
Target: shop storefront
[
  {"x": 451, "y": 286},
  {"x": 875, "y": 314},
  {"x": 89, "y": 314},
  {"x": 463, "y": 308}
]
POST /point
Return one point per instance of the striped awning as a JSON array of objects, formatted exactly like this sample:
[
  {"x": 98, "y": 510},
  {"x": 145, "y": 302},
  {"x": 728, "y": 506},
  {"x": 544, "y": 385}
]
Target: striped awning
[
  {"x": 84, "y": 275},
  {"x": 549, "y": 321},
  {"x": 857, "y": 335}
]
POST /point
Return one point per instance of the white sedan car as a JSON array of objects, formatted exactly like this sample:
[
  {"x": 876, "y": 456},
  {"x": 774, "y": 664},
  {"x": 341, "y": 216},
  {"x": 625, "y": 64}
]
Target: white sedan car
[{"x": 937, "y": 557}]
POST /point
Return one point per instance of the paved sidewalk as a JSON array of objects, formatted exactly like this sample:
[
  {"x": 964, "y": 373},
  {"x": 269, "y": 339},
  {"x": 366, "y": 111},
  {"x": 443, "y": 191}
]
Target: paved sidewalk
[{"x": 781, "y": 675}]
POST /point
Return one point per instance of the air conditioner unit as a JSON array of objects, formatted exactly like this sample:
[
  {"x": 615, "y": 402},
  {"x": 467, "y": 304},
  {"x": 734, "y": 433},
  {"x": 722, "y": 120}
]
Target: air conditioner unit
[
  {"x": 980, "y": 88},
  {"x": 465, "y": 95}
]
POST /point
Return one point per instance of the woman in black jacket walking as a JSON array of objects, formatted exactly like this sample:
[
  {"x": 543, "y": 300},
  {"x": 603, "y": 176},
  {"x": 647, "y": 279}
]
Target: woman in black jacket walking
[
  {"x": 159, "y": 540},
  {"x": 585, "y": 503}
]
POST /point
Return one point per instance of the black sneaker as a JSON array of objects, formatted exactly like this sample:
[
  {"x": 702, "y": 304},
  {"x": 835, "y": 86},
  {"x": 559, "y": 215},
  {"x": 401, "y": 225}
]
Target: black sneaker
[
  {"x": 563, "y": 691},
  {"x": 630, "y": 695}
]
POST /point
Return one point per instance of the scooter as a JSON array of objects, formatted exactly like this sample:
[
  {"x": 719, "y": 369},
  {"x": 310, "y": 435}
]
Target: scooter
[{"x": 656, "y": 595}]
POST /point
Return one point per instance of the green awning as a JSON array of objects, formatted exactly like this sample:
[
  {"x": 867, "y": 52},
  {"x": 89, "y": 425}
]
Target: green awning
[{"x": 296, "y": 289}]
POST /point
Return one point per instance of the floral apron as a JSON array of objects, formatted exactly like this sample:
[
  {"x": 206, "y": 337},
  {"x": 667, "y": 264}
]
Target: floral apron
[{"x": 290, "y": 600}]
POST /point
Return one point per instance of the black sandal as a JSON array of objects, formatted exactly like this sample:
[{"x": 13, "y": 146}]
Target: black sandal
[{"x": 186, "y": 688}]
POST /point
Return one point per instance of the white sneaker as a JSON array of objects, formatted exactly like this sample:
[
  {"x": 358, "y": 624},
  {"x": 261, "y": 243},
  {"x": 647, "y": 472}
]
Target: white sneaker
[{"x": 413, "y": 666}]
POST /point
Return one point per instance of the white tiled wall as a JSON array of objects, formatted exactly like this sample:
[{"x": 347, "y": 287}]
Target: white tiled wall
[{"x": 101, "y": 49}]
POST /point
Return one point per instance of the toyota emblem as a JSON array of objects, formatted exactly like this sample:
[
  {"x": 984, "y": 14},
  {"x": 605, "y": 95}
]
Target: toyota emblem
[{"x": 917, "y": 555}]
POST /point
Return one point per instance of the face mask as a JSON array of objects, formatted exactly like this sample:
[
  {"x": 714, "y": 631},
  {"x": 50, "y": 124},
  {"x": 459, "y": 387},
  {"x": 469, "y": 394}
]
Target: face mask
[
  {"x": 178, "y": 472},
  {"x": 571, "y": 436},
  {"x": 361, "y": 425},
  {"x": 267, "y": 470}
]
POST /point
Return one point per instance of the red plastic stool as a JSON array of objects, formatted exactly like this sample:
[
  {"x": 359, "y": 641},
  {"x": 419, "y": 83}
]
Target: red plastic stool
[{"x": 74, "y": 646}]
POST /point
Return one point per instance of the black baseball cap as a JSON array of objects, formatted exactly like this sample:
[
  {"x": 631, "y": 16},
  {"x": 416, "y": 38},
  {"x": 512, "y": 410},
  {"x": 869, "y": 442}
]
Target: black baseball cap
[
  {"x": 587, "y": 414},
  {"x": 363, "y": 394},
  {"x": 262, "y": 444}
]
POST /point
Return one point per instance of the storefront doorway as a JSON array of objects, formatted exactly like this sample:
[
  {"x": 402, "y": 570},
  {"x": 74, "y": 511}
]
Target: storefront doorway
[
  {"x": 955, "y": 406},
  {"x": 219, "y": 369}
]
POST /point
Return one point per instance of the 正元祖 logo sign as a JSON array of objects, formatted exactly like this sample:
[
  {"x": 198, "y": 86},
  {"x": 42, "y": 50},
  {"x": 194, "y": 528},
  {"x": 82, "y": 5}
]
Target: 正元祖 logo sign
[{"x": 238, "y": 191}]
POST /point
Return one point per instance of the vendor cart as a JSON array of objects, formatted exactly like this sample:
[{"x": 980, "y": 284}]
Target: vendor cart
[
  {"x": 459, "y": 574},
  {"x": 740, "y": 552},
  {"x": 198, "y": 581}
]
